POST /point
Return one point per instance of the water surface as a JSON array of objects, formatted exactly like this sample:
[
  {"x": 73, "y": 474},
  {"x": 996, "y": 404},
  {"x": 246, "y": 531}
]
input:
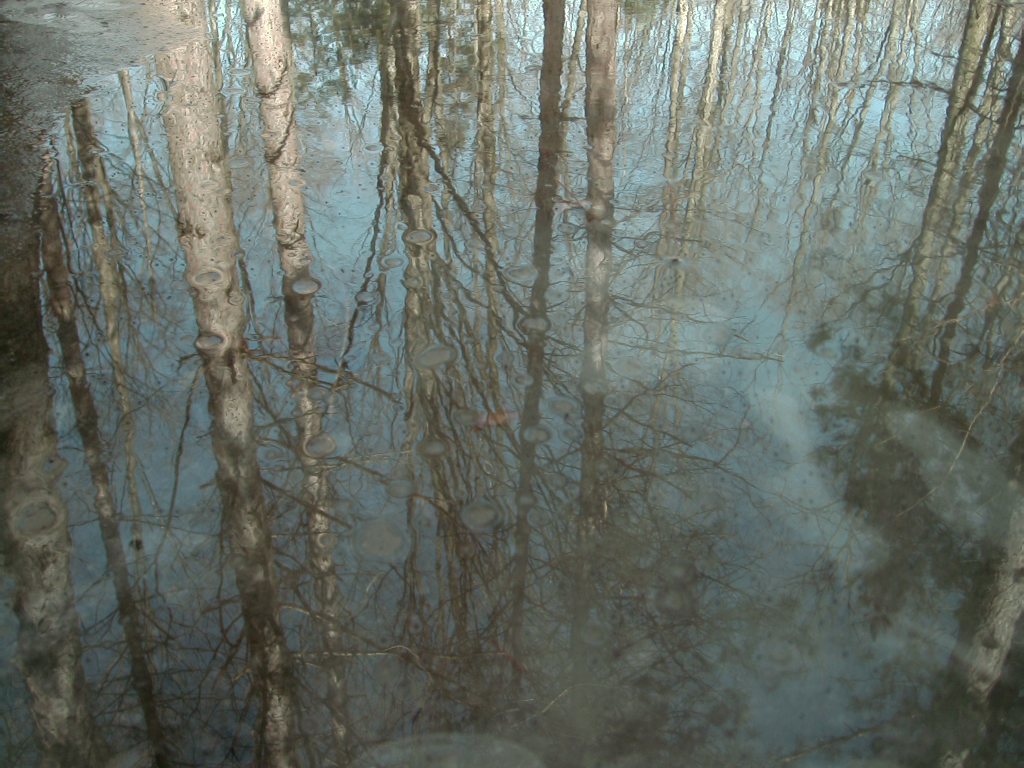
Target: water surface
[{"x": 606, "y": 385}]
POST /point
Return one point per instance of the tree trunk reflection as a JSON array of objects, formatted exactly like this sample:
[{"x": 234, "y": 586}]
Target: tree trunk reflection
[
  {"x": 549, "y": 145},
  {"x": 989, "y": 633},
  {"x": 87, "y": 422},
  {"x": 601, "y": 110},
  {"x": 928, "y": 247},
  {"x": 210, "y": 241},
  {"x": 269, "y": 38},
  {"x": 35, "y": 538},
  {"x": 601, "y": 134}
]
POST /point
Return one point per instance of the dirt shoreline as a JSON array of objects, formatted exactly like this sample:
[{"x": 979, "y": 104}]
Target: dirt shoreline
[{"x": 50, "y": 55}]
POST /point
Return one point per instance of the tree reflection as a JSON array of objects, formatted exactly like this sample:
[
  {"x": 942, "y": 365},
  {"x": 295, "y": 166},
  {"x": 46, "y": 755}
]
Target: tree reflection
[
  {"x": 625, "y": 380},
  {"x": 898, "y": 452},
  {"x": 36, "y": 540},
  {"x": 211, "y": 244},
  {"x": 267, "y": 25},
  {"x": 987, "y": 632},
  {"x": 601, "y": 102},
  {"x": 536, "y": 323},
  {"x": 981, "y": 17},
  {"x": 87, "y": 420}
]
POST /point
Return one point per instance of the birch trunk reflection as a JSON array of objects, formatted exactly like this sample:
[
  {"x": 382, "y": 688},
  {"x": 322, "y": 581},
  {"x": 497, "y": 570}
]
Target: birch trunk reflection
[
  {"x": 423, "y": 324},
  {"x": 702, "y": 148},
  {"x": 669, "y": 238},
  {"x": 106, "y": 256},
  {"x": 87, "y": 423},
  {"x": 601, "y": 110},
  {"x": 982, "y": 653},
  {"x": 273, "y": 63},
  {"x": 35, "y": 539},
  {"x": 602, "y": 38},
  {"x": 971, "y": 61},
  {"x": 267, "y": 26},
  {"x": 136, "y": 136},
  {"x": 992, "y": 178},
  {"x": 487, "y": 174},
  {"x": 900, "y": 28},
  {"x": 210, "y": 241},
  {"x": 1003, "y": 35}
]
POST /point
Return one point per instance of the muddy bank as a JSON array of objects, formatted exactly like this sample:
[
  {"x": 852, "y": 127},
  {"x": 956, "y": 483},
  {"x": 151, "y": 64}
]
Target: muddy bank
[{"x": 51, "y": 54}]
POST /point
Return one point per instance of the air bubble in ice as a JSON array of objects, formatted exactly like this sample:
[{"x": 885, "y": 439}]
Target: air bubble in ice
[
  {"x": 33, "y": 516},
  {"x": 431, "y": 448},
  {"x": 208, "y": 278},
  {"x": 306, "y": 286},
  {"x": 209, "y": 341},
  {"x": 535, "y": 324},
  {"x": 481, "y": 515},
  {"x": 536, "y": 434},
  {"x": 419, "y": 236},
  {"x": 400, "y": 487},
  {"x": 381, "y": 539},
  {"x": 524, "y": 273},
  {"x": 434, "y": 356},
  {"x": 320, "y": 446}
]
